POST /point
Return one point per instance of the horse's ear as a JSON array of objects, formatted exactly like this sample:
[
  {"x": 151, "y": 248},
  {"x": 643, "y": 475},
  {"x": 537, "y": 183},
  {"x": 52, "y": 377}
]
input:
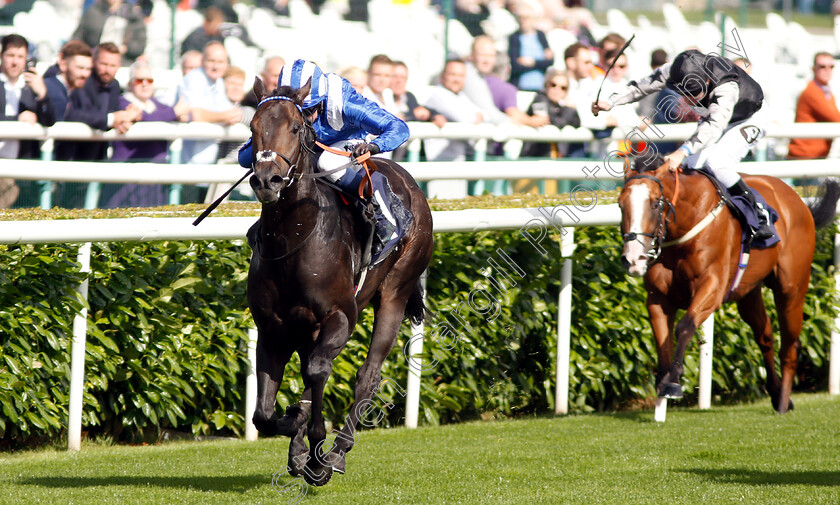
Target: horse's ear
[
  {"x": 302, "y": 93},
  {"x": 259, "y": 89}
]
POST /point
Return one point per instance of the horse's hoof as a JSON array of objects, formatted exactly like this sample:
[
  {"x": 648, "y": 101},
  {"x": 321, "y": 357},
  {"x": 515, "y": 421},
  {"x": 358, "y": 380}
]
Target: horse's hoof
[
  {"x": 671, "y": 390},
  {"x": 317, "y": 477},
  {"x": 297, "y": 463},
  {"x": 337, "y": 461},
  {"x": 289, "y": 424}
]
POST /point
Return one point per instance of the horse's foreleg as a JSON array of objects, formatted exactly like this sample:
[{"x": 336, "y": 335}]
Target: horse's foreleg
[
  {"x": 661, "y": 315},
  {"x": 271, "y": 363},
  {"x": 707, "y": 298},
  {"x": 752, "y": 310},
  {"x": 389, "y": 316},
  {"x": 335, "y": 330}
]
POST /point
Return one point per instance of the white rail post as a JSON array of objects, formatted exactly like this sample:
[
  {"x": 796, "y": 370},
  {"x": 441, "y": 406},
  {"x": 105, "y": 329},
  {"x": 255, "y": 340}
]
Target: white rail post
[
  {"x": 251, "y": 387},
  {"x": 175, "y": 148},
  {"x": 704, "y": 400},
  {"x": 77, "y": 357},
  {"x": 415, "y": 369},
  {"x": 47, "y": 187},
  {"x": 661, "y": 410},
  {"x": 834, "y": 357},
  {"x": 564, "y": 323}
]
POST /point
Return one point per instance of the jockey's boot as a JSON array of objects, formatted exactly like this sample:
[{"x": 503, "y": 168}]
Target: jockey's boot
[
  {"x": 765, "y": 229},
  {"x": 386, "y": 226}
]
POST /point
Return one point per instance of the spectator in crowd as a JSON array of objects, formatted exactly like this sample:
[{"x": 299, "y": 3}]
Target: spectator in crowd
[
  {"x": 584, "y": 89},
  {"x": 611, "y": 42},
  {"x": 553, "y": 103},
  {"x": 270, "y": 75},
  {"x": 75, "y": 62},
  {"x": 204, "y": 90},
  {"x": 116, "y": 21},
  {"x": 378, "y": 89},
  {"x": 484, "y": 57},
  {"x": 449, "y": 99},
  {"x": 190, "y": 61},
  {"x": 476, "y": 86},
  {"x": 23, "y": 97},
  {"x": 279, "y": 7},
  {"x": 472, "y": 13},
  {"x": 816, "y": 105},
  {"x": 214, "y": 28},
  {"x": 234, "y": 78},
  {"x": 141, "y": 89},
  {"x": 210, "y": 29},
  {"x": 97, "y": 104},
  {"x": 529, "y": 52},
  {"x": 615, "y": 82},
  {"x": 357, "y": 77},
  {"x": 408, "y": 108},
  {"x": 140, "y": 93}
]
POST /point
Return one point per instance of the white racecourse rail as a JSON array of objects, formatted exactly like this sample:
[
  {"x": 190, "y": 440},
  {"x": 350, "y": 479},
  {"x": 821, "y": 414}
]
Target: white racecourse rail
[{"x": 145, "y": 229}]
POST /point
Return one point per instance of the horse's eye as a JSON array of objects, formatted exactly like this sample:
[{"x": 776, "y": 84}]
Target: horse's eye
[{"x": 295, "y": 127}]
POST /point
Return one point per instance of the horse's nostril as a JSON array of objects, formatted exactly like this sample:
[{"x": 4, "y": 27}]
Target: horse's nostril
[
  {"x": 624, "y": 262},
  {"x": 275, "y": 181},
  {"x": 254, "y": 181}
]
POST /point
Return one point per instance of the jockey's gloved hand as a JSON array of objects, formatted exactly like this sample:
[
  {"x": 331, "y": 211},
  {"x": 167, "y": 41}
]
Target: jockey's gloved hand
[{"x": 361, "y": 149}]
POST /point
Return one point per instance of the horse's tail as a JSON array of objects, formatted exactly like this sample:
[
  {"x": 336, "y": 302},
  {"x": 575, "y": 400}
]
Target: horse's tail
[
  {"x": 824, "y": 208},
  {"x": 415, "y": 309}
]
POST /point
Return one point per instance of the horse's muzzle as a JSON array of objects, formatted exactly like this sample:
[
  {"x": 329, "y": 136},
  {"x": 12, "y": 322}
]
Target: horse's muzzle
[
  {"x": 634, "y": 258},
  {"x": 267, "y": 187}
]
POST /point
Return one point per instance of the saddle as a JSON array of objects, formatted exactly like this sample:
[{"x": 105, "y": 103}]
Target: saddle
[{"x": 744, "y": 212}]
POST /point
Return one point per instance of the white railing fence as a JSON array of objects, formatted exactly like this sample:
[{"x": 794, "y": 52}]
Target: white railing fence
[{"x": 228, "y": 228}]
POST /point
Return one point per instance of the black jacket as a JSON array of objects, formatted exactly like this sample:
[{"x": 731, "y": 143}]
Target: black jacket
[
  {"x": 91, "y": 105},
  {"x": 560, "y": 116},
  {"x": 43, "y": 109},
  {"x": 93, "y": 21}
]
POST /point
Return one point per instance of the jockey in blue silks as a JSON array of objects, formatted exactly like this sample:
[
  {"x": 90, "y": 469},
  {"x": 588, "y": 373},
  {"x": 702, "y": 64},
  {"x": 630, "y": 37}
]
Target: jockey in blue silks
[{"x": 344, "y": 119}]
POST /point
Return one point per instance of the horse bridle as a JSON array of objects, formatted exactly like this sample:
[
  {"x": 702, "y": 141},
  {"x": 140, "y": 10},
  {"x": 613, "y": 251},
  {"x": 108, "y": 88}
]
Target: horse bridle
[
  {"x": 661, "y": 231},
  {"x": 292, "y": 175}
]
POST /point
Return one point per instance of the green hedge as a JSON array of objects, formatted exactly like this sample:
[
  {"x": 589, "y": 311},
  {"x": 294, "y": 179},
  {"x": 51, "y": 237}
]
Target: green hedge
[{"x": 168, "y": 327}]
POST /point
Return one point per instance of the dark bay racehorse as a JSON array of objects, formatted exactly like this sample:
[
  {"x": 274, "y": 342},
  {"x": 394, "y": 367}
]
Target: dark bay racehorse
[
  {"x": 699, "y": 241},
  {"x": 302, "y": 279}
]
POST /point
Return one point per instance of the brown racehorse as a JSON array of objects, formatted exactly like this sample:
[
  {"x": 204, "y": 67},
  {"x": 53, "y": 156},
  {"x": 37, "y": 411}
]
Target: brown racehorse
[
  {"x": 303, "y": 275},
  {"x": 690, "y": 265}
]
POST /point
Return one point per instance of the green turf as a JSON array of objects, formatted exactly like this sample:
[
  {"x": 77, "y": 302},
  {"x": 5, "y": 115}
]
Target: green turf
[{"x": 744, "y": 454}]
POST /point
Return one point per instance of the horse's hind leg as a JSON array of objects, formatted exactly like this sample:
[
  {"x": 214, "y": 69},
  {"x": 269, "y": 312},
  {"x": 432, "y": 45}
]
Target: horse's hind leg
[
  {"x": 752, "y": 310},
  {"x": 789, "y": 305},
  {"x": 387, "y": 323}
]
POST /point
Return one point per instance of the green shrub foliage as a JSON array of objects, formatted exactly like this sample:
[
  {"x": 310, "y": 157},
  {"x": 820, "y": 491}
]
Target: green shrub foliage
[{"x": 167, "y": 337}]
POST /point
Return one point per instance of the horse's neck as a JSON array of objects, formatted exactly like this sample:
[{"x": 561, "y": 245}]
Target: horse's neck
[
  {"x": 292, "y": 218},
  {"x": 696, "y": 199}
]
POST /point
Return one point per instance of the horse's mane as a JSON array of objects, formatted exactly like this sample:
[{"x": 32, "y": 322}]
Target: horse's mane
[{"x": 648, "y": 161}]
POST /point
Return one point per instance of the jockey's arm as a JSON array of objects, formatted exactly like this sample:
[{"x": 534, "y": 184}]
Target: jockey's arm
[
  {"x": 391, "y": 131},
  {"x": 635, "y": 91},
  {"x": 723, "y": 100}
]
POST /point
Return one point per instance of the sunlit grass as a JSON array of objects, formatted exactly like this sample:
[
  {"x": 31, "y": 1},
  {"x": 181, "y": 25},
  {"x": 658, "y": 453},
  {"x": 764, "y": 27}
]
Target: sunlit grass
[{"x": 745, "y": 453}]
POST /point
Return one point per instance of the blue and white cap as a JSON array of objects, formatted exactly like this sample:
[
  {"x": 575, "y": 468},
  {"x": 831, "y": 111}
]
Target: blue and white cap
[{"x": 296, "y": 75}]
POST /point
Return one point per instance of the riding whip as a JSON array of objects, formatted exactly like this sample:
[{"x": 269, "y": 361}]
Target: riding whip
[
  {"x": 215, "y": 204},
  {"x": 626, "y": 44}
]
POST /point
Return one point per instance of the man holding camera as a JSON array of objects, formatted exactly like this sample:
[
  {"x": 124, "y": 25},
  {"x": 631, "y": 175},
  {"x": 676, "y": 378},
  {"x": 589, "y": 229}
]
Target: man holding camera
[{"x": 23, "y": 97}]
